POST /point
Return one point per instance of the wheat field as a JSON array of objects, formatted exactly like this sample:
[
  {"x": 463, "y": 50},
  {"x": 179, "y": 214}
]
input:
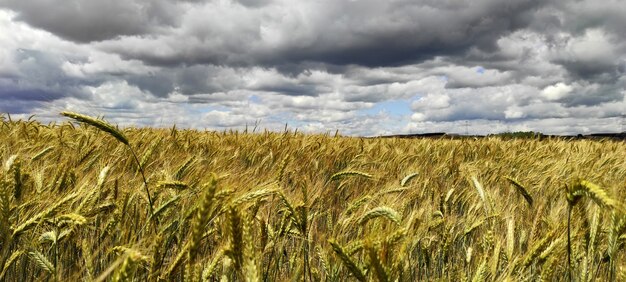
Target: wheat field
[{"x": 86, "y": 201}]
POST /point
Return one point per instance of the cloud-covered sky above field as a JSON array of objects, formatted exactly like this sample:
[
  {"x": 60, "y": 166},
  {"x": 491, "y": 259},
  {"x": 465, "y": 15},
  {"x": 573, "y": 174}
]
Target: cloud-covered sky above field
[{"x": 363, "y": 67}]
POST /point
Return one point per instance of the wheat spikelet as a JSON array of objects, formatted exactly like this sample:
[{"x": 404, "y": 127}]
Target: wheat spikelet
[
  {"x": 182, "y": 170},
  {"x": 7, "y": 264},
  {"x": 42, "y": 215},
  {"x": 347, "y": 261},
  {"x": 555, "y": 245},
  {"x": 342, "y": 174},
  {"x": 407, "y": 178},
  {"x": 102, "y": 177},
  {"x": 495, "y": 260},
  {"x": 510, "y": 238},
  {"x": 236, "y": 243},
  {"x": 396, "y": 236},
  {"x": 100, "y": 124},
  {"x": 547, "y": 270},
  {"x": 202, "y": 218},
  {"x": 41, "y": 153},
  {"x": 17, "y": 179},
  {"x": 281, "y": 170},
  {"x": 71, "y": 218},
  {"x": 468, "y": 255},
  {"x": 323, "y": 260},
  {"x": 474, "y": 226},
  {"x": 481, "y": 272},
  {"x": 111, "y": 224},
  {"x": 184, "y": 252},
  {"x": 157, "y": 255},
  {"x": 481, "y": 194},
  {"x": 354, "y": 247},
  {"x": 126, "y": 271},
  {"x": 593, "y": 191},
  {"x": 254, "y": 195},
  {"x": 87, "y": 255},
  {"x": 449, "y": 195},
  {"x": 210, "y": 269},
  {"x": 103, "y": 208},
  {"x": 375, "y": 263},
  {"x": 250, "y": 271},
  {"x": 479, "y": 189},
  {"x": 357, "y": 204},
  {"x": 41, "y": 261},
  {"x": 161, "y": 209},
  {"x": 5, "y": 208},
  {"x": 521, "y": 189},
  {"x": 289, "y": 206},
  {"x": 536, "y": 249},
  {"x": 173, "y": 184},
  {"x": 227, "y": 266},
  {"x": 534, "y": 230},
  {"x": 190, "y": 272},
  {"x": 382, "y": 211},
  {"x": 9, "y": 163},
  {"x": 148, "y": 153}
]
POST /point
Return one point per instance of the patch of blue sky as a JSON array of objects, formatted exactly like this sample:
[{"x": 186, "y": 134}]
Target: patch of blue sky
[
  {"x": 480, "y": 70},
  {"x": 392, "y": 107},
  {"x": 254, "y": 99},
  {"x": 209, "y": 108}
]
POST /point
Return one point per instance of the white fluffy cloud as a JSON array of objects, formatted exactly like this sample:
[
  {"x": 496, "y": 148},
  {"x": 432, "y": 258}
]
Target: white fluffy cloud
[{"x": 556, "y": 92}]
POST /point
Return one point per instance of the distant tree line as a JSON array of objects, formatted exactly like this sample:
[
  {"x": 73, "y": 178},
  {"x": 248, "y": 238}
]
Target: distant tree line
[{"x": 520, "y": 134}]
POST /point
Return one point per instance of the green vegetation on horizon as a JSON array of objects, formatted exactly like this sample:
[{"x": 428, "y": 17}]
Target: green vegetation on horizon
[{"x": 232, "y": 206}]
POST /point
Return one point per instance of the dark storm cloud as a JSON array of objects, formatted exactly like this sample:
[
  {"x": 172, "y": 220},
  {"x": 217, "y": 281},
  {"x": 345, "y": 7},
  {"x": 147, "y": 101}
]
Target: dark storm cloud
[
  {"x": 158, "y": 84},
  {"x": 595, "y": 94},
  {"x": 18, "y": 106},
  {"x": 85, "y": 21},
  {"x": 368, "y": 33},
  {"x": 39, "y": 78},
  {"x": 372, "y": 34},
  {"x": 578, "y": 16},
  {"x": 29, "y": 95},
  {"x": 189, "y": 80}
]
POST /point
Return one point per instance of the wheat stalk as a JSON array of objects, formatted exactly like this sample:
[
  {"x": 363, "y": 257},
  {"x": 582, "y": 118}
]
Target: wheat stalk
[{"x": 113, "y": 131}]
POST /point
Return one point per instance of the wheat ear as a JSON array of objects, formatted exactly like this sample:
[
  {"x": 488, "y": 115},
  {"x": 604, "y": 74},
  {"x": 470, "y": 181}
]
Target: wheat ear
[
  {"x": 348, "y": 262},
  {"x": 98, "y": 123},
  {"x": 520, "y": 189}
]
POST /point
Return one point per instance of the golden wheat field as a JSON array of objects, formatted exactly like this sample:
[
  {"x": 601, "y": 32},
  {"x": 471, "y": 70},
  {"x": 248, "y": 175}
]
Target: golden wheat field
[{"x": 86, "y": 201}]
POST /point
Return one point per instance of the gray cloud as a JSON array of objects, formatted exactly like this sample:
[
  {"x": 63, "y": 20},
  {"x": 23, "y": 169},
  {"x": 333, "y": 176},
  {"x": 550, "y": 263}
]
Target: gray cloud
[
  {"x": 365, "y": 67},
  {"x": 368, "y": 33},
  {"x": 85, "y": 21}
]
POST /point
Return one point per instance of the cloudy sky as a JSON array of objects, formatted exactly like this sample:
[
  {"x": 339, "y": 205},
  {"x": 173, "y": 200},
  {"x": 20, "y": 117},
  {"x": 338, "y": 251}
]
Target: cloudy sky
[{"x": 362, "y": 67}]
